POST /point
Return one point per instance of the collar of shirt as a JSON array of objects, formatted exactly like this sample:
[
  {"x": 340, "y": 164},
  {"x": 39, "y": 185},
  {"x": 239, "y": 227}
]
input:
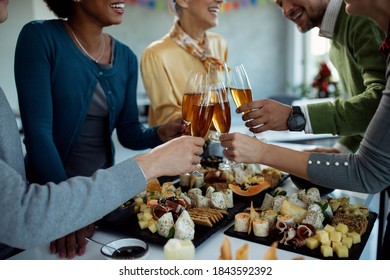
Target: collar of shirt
[{"x": 330, "y": 18}]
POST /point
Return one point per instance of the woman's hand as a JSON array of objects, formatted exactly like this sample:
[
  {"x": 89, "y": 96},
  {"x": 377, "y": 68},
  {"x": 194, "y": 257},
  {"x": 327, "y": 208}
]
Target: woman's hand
[
  {"x": 171, "y": 130},
  {"x": 242, "y": 148},
  {"x": 178, "y": 156}
]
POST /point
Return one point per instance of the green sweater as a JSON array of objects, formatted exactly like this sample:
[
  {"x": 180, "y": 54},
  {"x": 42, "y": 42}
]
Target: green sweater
[{"x": 361, "y": 67}]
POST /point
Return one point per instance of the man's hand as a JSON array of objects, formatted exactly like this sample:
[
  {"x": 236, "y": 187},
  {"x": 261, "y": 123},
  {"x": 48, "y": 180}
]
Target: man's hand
[
  {"x": 73, "y": 243},
  {"x": 265, "y": 115}
]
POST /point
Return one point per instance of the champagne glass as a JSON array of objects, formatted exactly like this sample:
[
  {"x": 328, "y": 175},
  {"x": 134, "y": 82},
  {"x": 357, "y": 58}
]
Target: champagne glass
[
  {"x": 241, "y": 89},
  {"x": 221, "y": 116},
  {"x": 217, "y": 72},
  {"x": 196, "y": 100},
  {"x": 202, "y": 113},
  {"x": 195, "y": 84},
  {"x": 240, "y": 86}
]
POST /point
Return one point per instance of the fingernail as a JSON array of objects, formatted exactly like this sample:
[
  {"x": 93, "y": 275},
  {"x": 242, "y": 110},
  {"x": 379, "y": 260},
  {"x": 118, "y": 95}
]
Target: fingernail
[
  {"x": 71, "y": 254},
  {"x": 81, "y": 251}
]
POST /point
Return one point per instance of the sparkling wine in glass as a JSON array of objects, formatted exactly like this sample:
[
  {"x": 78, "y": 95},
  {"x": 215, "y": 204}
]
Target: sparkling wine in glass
[
  {"x": 240, "y": 86},
  {"x": 202, "y": 113},
  {"x": 222, "y": 116},
  {"x": 241, "y": 89},
  {"x": 195, "y": 85},
  {"x": 217, "y": 73}
]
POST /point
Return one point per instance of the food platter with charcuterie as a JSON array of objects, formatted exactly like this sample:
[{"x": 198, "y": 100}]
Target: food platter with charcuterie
[
  {"x": 191, "y": 208},
  {"x": 306, "y": 223}
]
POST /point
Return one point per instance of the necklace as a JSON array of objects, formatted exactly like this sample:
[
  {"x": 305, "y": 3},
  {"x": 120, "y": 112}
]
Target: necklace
[{"x": 85, "y": 51}]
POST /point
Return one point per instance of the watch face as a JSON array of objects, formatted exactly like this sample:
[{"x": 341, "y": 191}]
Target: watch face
[{"x": 297, "y": 122}]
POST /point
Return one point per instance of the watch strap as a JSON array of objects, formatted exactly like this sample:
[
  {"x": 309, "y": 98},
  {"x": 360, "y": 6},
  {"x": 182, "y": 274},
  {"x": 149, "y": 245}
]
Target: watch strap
[{"x": 296, "y": 110}]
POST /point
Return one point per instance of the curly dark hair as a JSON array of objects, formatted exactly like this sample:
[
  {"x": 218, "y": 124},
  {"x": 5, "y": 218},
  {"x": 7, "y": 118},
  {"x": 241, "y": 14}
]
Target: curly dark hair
[{"x": 61, "y": 8}]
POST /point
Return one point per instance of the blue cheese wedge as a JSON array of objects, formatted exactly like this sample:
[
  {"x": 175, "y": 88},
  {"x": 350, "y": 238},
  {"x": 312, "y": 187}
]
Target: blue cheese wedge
[
  {"x": 164, "y": 224},
  {"x": 184, "y": 227}
]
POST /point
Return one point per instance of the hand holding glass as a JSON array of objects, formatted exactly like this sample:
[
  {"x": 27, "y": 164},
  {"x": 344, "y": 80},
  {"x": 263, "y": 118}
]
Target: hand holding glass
[
  {"x": 202, "y": 113},
  {"x": 241, "y": 89},
  {"x": 222, "y": 115},
  {"x": 195, "y": 85},
  {"x": 217, "y": 73}
]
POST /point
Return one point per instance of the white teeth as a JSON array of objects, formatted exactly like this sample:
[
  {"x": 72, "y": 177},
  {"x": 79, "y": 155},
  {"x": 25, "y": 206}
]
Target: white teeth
[
  {"x": 297, "y": 15},
  {"x": 118, "y": 5}
]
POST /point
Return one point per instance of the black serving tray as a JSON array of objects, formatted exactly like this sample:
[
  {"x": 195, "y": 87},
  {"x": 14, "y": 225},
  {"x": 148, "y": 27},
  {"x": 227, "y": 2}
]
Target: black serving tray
[
  {"x": 354, "y": 253},
  {"x": 202, "y": 233}
]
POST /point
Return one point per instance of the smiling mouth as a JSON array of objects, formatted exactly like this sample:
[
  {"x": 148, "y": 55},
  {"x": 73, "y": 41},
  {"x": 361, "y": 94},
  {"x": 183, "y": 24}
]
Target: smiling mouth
[
  {"x": 214, "y": 10},
  {"x": 118, "y": 6},
  {"x": 296, "y": 16}
]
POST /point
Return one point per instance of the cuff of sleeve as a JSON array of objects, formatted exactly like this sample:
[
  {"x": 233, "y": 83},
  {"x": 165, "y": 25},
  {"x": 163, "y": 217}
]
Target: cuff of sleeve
[{"x": 308, "y": 129}]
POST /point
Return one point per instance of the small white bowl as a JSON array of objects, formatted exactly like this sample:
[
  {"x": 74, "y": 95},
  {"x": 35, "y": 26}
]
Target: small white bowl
[{"x": 130, "y": 248}]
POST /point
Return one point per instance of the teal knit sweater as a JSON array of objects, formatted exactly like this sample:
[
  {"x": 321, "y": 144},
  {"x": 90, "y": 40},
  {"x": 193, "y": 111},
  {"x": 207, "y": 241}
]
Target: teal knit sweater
[{"x": 56, "y": 82}]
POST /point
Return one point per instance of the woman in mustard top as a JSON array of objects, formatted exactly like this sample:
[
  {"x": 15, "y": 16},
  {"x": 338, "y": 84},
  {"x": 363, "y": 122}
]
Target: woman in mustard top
[{"x": 167, "y": 62}]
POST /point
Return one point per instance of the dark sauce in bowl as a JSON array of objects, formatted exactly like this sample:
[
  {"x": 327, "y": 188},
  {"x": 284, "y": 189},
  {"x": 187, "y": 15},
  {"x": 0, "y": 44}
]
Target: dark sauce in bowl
[{"x": 129, "y": 252}]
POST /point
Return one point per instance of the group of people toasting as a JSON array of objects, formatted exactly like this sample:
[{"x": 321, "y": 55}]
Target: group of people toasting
[
  {"x": 360, "y": 160},
  {"x": 76, "y": 84}
]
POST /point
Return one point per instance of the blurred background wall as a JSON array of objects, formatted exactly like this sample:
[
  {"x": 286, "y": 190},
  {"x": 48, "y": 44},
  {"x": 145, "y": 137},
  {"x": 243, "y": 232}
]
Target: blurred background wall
[{"x": 258, "y": 36}]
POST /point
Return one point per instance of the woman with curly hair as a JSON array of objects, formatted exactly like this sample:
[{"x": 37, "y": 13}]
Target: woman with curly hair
[{"x": 76, "y": 84}]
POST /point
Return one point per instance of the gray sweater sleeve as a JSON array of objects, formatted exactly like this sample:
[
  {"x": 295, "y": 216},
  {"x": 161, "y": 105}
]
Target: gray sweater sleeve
[
  {"x": 34, "y": 214},
  {"x": 368, "y": 170}
]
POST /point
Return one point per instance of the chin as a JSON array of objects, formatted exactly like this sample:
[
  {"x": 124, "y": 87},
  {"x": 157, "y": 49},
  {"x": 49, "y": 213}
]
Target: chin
[
  {"x": 348, "y": 9},
  {"x": 303, "y": 29},
  {"x": 356, "y": 9},
  {"x": 3, "y": 16}
]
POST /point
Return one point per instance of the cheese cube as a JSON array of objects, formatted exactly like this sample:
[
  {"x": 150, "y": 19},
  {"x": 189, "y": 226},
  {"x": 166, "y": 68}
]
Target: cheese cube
[
  {"x": 143, "y": 224},
  {"x": 335, "y": 236},
  {"x": 312, "y": 243},
  {"x": 329, "y": 228},
  {"x": 138, "y": 201},
  {"x": 140, "y": 216},
  {"x": 322, "y": 236},
  {"x": 342, "y": 251},
  {"x": 335, "y": 244},
  {"x": 147, "y": 210},
  {"x": 356, "y": 238},
  {"x": 147, "y": 216},
  {"x": 153, "y": 227},
  {"x": 176, "y": 249},
  {"x": 342, "y": 228},
  {"x": 347, "y": 241},
  {"x": 326, "y": 251},
  {"x": 143, "y": 207}
]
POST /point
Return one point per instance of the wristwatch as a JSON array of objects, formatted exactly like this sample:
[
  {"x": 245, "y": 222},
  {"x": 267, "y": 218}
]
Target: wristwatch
[{"x": 296, "y": 121}]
